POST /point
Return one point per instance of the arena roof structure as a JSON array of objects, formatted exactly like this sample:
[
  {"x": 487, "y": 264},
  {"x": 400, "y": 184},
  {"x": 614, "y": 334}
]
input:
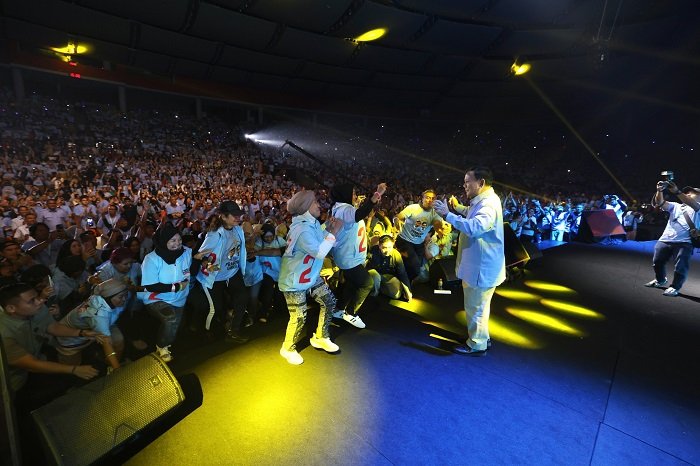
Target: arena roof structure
[{"x": 435, "y": 58}]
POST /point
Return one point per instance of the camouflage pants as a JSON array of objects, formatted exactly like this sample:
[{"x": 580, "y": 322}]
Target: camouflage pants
[{"x": 296, "y": 303}]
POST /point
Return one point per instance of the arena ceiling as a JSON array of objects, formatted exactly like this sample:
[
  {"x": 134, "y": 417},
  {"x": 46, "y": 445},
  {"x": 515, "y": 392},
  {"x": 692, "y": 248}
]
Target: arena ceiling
[{"x": 438, "y": 57}]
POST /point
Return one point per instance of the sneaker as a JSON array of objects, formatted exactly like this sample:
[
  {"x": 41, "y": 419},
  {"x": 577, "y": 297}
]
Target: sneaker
[
  {"x": 292, "y": 357},
  {"x": 354, "y": 320},
  {"x": 467, "y": 351},
  {"x": 324, "y": 343},
  {"x": 164, "y": 353},
  {"x": 339, "y": 314},
  {"x": 236, "y": 337},
  {"x": 656, "y": 284},
  {"x": 671, "y": 291}
]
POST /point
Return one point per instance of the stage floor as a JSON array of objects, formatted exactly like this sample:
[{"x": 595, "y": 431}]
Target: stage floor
[{"x": 587, "y": 367}]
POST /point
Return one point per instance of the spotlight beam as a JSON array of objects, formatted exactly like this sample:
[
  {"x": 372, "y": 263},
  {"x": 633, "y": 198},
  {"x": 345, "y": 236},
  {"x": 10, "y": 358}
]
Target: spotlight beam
[
  {"x": 324, "y": 164},
  {"x": 566, "y": 122}
]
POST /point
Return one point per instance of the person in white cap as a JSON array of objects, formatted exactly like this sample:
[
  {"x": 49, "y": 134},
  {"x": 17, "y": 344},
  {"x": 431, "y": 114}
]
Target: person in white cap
[
  {"x": 675, "y": 242},
  {"x": 300, "y": 274}
]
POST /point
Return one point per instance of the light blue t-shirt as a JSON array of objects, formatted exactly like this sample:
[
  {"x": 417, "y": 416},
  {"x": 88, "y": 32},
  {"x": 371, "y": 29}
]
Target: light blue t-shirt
[{"x": 417, "y": 223}]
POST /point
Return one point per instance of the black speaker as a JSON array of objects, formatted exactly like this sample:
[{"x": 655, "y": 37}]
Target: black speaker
[
  {"x": 515, "y": 252},
  {"x": 444, "y": 269},
  {"x": 112, "y": 418},
  {"x": 597, "y": 225}
]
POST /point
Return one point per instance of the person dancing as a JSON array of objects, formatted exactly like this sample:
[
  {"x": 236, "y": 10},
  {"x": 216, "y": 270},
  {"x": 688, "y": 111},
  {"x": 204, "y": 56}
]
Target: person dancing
[
  {"x": 350, "y": 250},
  {"x": 307, "y": 245}
]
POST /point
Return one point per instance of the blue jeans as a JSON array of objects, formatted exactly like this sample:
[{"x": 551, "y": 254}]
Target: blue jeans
[
  {"x": 680, "y": 253},
  {"x": 169, "y": 317}
]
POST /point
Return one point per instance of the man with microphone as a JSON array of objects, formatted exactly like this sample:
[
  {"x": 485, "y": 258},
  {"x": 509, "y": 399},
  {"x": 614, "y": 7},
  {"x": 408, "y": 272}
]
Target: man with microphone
[
  {"x": 675, "y": 242},
  {"x": 481, "y": 263}
]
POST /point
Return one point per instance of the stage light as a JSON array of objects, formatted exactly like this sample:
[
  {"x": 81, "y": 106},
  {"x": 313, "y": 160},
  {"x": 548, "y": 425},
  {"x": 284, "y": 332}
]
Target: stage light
[
  {"x": 368, "y": 36},
  {"x": 547, "y": 286},
  {"x": 71, "y": 49},
  {"x": 545, "y": 321},
  {"x": 519, "y": 69},
  {"x": 517, "y": 295},
  {"x": 578, "y": 311}
]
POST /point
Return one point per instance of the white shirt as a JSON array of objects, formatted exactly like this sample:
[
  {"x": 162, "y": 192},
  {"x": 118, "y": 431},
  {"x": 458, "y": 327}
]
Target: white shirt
[
  {"x": 677, "y": 229},
  {"x": 481, "y": 258}
]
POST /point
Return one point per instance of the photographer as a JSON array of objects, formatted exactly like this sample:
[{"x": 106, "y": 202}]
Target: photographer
[{"x": 675, "y": 242}]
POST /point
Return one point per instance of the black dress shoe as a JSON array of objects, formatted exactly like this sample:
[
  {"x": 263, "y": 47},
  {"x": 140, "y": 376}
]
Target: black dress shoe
[
  {"x": 467, "y": 351},
  {"x": 235, "y": 337}
]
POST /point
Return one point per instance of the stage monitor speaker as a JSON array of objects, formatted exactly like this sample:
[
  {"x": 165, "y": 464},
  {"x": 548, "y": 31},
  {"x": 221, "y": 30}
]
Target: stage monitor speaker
[
  {"x": 597, "y": 225},
  {"x": 110, "y": 419},
  {"x": 516, "y": 254},
  {"x": 444, "y": 269}
]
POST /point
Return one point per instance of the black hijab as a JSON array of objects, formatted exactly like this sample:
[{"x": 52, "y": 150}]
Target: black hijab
[
  {"x": 342, "y": 193},
  {"x": 160, "y": 240}
]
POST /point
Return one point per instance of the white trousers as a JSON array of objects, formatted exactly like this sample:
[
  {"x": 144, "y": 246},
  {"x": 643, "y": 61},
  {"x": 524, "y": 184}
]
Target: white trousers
[{"x": 477, "y": 304}]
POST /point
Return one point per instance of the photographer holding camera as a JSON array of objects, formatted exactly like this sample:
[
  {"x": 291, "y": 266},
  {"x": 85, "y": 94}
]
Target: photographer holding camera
[{"x": 675, "y": 242}]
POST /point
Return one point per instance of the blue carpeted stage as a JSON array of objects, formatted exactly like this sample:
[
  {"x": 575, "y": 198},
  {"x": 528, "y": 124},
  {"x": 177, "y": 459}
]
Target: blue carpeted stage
[{"x": 587, "y": 367}]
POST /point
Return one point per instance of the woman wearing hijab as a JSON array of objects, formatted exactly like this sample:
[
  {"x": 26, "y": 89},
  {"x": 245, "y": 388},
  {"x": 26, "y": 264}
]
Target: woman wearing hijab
[
  {"x": 350, "y": 250},
  {"x": 165, "y": 277},
  {"x": 221, "y": 287},
  {"x": 307, "y": 245}
]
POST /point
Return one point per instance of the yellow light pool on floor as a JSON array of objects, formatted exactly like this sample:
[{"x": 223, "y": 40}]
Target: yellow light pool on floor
[
  {"x": 578, "y": 311},
  {"x": 517, "y": 294},
  {"x": 547, "y": 286},
  {"x": 368, "y": 36},
  {"x": 509, "y": 333},
  {"x": 544, "y": 321},
  {"x": 416, "y": 305}
]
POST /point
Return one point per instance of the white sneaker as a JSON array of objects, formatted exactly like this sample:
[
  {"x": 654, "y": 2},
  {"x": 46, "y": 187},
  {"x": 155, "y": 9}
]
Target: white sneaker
[
  {"x": 292, "y": 357},
  {"x": 324, "y": 343},
  {"x": 339, "y": 314},
  {"x": 670, "y": 291},
  {"x": 164, "y": 353},
  {"x": 656, "y": 284},
  {"x": 354, "y": 320}
]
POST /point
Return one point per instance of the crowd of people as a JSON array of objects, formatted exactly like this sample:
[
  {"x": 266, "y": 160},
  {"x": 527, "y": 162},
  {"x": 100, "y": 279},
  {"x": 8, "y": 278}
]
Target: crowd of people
[{"x": 113, "y": 222}]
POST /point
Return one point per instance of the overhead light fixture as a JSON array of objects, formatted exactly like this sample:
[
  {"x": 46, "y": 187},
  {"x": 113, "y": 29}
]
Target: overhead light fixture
[
  {"x": 368, "y": 36},
  {"x": 71, "y": 49},
  {"x": 518, "y": 68}
]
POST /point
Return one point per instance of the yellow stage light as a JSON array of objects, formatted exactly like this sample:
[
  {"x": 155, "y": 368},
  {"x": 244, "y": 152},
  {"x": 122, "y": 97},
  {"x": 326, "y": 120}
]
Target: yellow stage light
[
  {"x": 71, "y": 49},
  {"x": 517, "y": 295},
  {"x": 578, "y": 311},
  {"x": 547, "y": 286},
  {"x": 520, "y": 69},
  {"x": 368, "y": 36},
  {"x": 510, "y": 333},
  {"x": 545, "y": 321}
]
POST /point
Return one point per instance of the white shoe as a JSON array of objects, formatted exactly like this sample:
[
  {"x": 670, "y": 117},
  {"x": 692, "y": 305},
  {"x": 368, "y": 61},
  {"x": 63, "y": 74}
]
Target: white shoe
[
  {"x": 354, "y": 320},
  {"x": 338, "y": 313},
  {"x": 324, "y": 343},
  {"x": 292, "y": 357},
  {"x": 164, "y": 353},
  {"x": 656, "y": 284},
  {"x": 670, "y": 291}
]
